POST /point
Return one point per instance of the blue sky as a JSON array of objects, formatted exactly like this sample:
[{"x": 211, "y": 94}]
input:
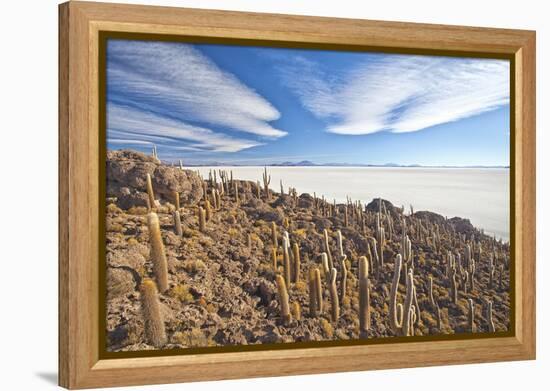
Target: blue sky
[{"x": 256, "y": 105}]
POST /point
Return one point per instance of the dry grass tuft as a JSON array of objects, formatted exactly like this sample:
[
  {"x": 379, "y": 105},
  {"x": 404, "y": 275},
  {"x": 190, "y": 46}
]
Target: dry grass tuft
[
  {"x": 327, "y": 328},
  {"x": 191, "y": 266},
  {"x": 181, "y": 292}
]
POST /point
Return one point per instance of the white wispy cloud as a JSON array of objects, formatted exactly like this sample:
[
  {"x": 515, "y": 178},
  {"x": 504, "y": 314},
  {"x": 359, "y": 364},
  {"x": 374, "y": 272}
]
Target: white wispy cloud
[
  {"x": 398, "y": 93},
  {"x": 177, "y": 80},
  {"x": 127, "y": 123}
]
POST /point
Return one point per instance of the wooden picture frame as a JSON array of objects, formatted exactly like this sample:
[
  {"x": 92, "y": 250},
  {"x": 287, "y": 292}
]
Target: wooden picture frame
[{"x": 80, "y": 27}]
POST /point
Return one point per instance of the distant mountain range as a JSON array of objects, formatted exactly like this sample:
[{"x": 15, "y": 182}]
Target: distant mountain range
[{"x": 307, "y": 163}]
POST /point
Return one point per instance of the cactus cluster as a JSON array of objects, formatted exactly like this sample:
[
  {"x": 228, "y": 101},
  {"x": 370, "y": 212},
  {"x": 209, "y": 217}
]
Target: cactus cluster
[{"x": 367, "y": 260}]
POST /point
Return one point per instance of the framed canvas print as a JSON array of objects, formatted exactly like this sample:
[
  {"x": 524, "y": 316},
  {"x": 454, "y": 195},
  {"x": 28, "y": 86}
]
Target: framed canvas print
[{"x": 248, "y": 195}]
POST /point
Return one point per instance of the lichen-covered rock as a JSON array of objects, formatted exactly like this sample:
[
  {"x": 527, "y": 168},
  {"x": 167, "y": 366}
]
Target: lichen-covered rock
[{"x": 126, "y": 180}]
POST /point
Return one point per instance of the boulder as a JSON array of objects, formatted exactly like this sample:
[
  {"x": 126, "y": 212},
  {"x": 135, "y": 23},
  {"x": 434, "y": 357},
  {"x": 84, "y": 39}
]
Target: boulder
[{"x": 126, "y": 177}]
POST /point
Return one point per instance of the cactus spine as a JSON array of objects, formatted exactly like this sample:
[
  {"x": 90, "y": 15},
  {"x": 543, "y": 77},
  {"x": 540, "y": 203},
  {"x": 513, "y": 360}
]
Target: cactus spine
[
  {"x": 152, "y": 316},
  {"x": 335, "y": 305},
  {"x": 283, "y": 300},
  {"x": 158, "y": 256}
]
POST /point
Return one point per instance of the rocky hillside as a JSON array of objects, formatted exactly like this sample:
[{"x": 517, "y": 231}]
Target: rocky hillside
[{"x": 222, "y": 274}]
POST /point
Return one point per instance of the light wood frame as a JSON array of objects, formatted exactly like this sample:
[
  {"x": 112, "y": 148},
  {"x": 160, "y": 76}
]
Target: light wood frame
[{"x": 79, "y": 27}]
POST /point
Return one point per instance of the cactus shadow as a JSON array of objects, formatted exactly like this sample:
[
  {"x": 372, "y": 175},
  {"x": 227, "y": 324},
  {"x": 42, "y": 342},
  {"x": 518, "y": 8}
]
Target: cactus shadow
[{"x": 48, "y": 377}]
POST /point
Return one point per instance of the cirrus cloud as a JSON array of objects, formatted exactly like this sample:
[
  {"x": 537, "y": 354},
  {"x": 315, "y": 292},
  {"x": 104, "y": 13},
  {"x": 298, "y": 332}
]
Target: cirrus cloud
[
  {"x": 172, "y": 95},
  {"x": 398, "y": 93}
]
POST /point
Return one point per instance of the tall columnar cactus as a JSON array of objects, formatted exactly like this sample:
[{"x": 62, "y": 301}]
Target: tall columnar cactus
[
  {"x": 204, "y": 191},
  {"x": 296, "y": 310},
  {"x": 208, "y": 210},
  {"x": 396, "y": 310},
  {"x": 408, "y": 321},
  {"x": 236, "y": 193},
  {"x": 431, "y": 291},
  {"x": 282, "y": 188},
  {"x": 491, "y": 272},
  {"x": 490, "y": 324},
  {"x": 274, "y": 258},
  {"x": 471, "y": 271},
  {"x": 325, "y": 265},
  {"x": 312, "y": 284},
  {"x": 274, "y": 240},
  {"x": 296, "y": 262},
  {"x": 450, "y": 265},
  {"x": 218, "y": 200},
  {"x": 319, "y": 290},
  {"x": 286, "y": 264},
  {"x": 150, "y": 193},
  {"x": 215, "y": 199},
  {"x": 344, "y": 278},
  {"x": 202, "y": 219},
  {"x": 283, "y": 300},
  {"x": 500, "y": 275},
  {"x": 286, "y": 239},
  {"x": 267, "y": 180},
  {"x": 454, "y": 288},
  {"x": 335, "y": 305},
  {"x": 340, "y": 243},
  {"x": 258, "y": 189},
  {"x": 327, "y": 249},
  {"x": 150, "y": 307},
  {"x": 364, "y": 295},
  {"x": 177, "y": 222},
  {"x": 471, "y": 316},
  {"x": 346, "y": 218},
  {"x": 468, "y": 254},
  {"x": 158, "y": 256},
  {"x": 375, "y": 260},
  {"x": 381, "y": 244},
  {"x": 177, "y": 200}
]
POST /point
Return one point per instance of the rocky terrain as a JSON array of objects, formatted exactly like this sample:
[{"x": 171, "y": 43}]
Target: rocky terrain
[{"x": 421, "y": 274}]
